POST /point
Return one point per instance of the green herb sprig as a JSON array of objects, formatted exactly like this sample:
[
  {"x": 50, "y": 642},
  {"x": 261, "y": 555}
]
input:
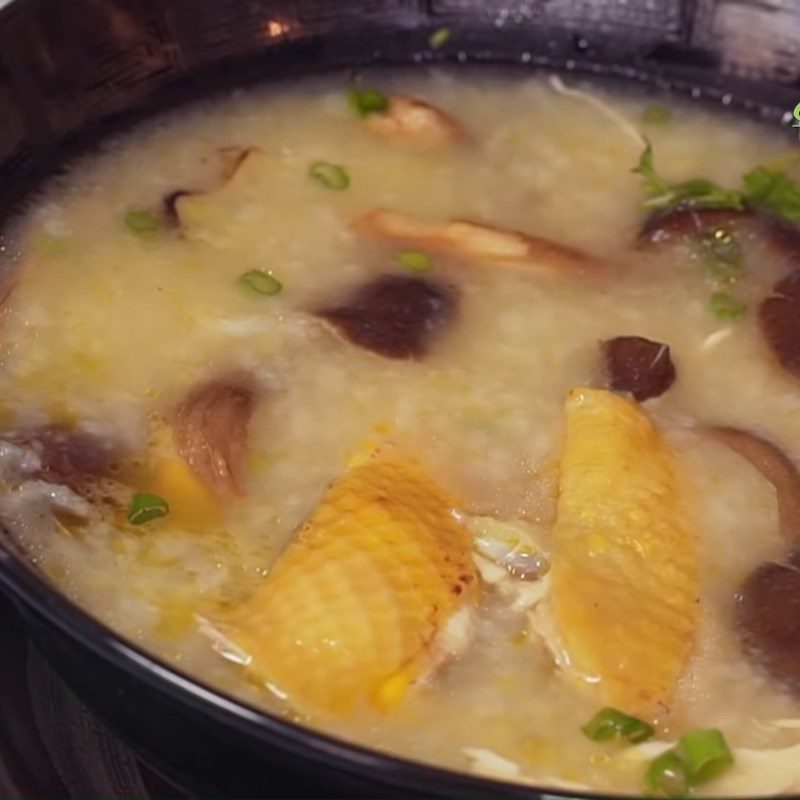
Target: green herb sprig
[{"x": 766, "y": 188}]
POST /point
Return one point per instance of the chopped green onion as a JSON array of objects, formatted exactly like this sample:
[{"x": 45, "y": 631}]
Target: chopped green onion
[
  {"x": 367, "y": 101},
  {"x": 667, "y": 776},
  {"x": 141, "y": 222},
  {"x": 255, "y": 280},
  {"x": 439, "y": 38},
  {"x": 705, "y": 754},
  {"x": 656, "y": 114},
  {"x": 701, "y": 755},
  {"x": 725, "y": 308},
  {"x": 414, "y": 260},
  {"x": 331, "y": 176},
  {"x": 609, "y": 722},
  {"x": 146, "y": 507}
]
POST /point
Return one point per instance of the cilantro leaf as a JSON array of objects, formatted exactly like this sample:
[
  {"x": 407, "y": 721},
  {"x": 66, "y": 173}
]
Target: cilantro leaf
[
  {"x": 653, "y": 182},
  {"x": 697, "y": 192},
  {"x": 773, "y": 190}
]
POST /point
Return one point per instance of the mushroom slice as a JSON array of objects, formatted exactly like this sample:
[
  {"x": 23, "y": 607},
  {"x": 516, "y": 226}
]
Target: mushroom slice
[
  {"x": 775, "y": 466},
  {"x": 206, "y": 212},
  {"x": 477, "y": 242},
  {"x": 70, "y": 457},
  {"x": 685, "y": 223},
  {"x": 639, "y": 366},
  {"x": 395, "y": 317},
  {"x": 169, "y": 206},
  {"x": 232, "y": 159},
  {"x": 768, "y": 617},
  {"x": 410, "y": 121},
  {"x": 768, "y": 603},
  {"x": 377, "y": 587},
  {"x": 779, "y": 319},
  {"x": 624, "y": 571},
  {"x": 210, "y": 430}
]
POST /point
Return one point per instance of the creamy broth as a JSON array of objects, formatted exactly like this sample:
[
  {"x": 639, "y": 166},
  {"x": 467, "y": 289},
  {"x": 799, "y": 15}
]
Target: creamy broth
[{"x": 107, "y": 330}]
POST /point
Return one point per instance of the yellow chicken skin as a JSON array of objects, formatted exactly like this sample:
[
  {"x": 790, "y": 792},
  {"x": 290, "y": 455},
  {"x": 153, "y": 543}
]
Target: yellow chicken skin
[
  {"x": 191, "y": 503},
  {"x": 624, "y": 566},
  {"x": 350, "y": 615}
]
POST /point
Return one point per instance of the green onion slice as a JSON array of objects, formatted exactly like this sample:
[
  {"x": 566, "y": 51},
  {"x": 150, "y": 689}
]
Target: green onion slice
[
  {"x": 331, "y": 176},
  {"x": 609, "y": 722},
  {"x": 656, "y": 114},
  {"x": 146, "y": 507},
  {"x": 414, "y": 260},
  {"x": 705, "y": 753},
  {"x": 367, "y": 101},
  {"x": 725, "y": 307},
  {"x": 667, "y": 776},
  {"x": 260, "y": 282},
  {"x": 142, "y": 222},
  {"x": 439, "y": 38}
]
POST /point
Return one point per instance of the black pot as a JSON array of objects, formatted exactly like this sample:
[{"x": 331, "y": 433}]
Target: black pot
[{"x": 71, "y": 71}]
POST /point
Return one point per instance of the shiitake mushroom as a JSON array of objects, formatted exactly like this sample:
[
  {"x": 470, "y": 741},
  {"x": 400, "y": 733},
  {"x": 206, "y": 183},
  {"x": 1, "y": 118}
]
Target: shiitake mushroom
[
  {"x": 779, "y": 319},
  {"x": 768, "y": 617},
  {"x": 687, "y": 224},
  {"x": 393, "y": 316},
  {"x": 638, "y": 365},
  {"x": 210, "y": 427},
  {"x": 767, "y": 605},
  {"x": 70, "y": 457}
]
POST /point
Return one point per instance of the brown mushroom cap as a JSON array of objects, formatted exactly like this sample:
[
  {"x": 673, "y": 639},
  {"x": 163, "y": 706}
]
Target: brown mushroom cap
[
  {"x": 210, "y": 426},
  {"x": 393, "y": 316},
  {"x": 768, "y": 603},
  {"x": 71, "y": 457},
  {"x": 639, "y": 366},
  {"x": 779, "y": 318},
  {"x": 685, "y": 223},
  {"x": 768, "y": 617}
]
